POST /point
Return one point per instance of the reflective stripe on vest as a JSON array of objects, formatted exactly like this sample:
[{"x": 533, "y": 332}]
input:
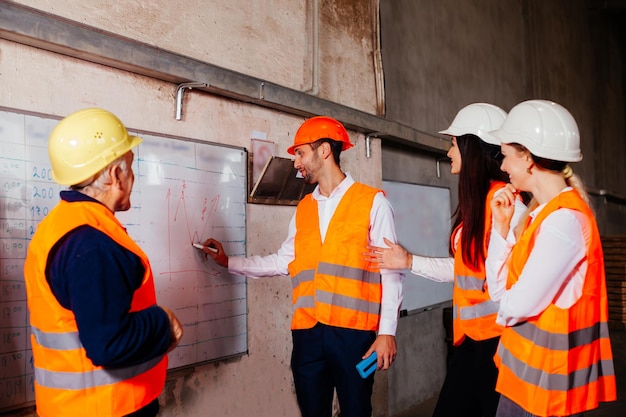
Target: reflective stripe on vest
[
  {"x": 347, "y": 302},
  {"x": 303, "y": 276},
  {"x": 57, "y": 341},
  {"x": 91, "y": 379},
  {"x": 349, "y": 273},
  {"x": 305, "y": 301},
  {"x": 470, "y": 283},
  {"x": 556, "y": 381},
  {"x": 335, "y": 299},
  {"x": 477, "y": 311},
  {"x": 473, "y": 313},
  {"x": 80, "y": 380},
  {"x": 66, "y": 381},
  {"x": 559, "y": 362},
  {"x": 558, "y": 341},
  {"x": 332, "y": 283}
]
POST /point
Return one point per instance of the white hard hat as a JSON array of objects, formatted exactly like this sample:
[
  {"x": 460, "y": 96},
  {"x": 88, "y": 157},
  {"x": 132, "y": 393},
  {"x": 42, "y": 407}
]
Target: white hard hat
[
  {"x": 545, "y": 128},
  {"x": 477, "y": 119}
]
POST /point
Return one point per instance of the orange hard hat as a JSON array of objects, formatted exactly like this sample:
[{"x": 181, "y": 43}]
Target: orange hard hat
[{"x": 320, "y": 127}]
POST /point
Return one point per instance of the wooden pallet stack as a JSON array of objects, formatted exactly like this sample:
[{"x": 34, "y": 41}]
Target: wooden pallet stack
[{"x": 614, "y": 248}]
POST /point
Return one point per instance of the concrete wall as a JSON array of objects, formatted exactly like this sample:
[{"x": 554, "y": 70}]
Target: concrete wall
[
  {"x": 421, "y": 365},
  {"x": 265, "y": 39},
  {"x": 438, "y": 56},
  {"x": 441, "y": 55},
  {"x": 269, "y": 39},
  {"x": 260, "y": 382}
]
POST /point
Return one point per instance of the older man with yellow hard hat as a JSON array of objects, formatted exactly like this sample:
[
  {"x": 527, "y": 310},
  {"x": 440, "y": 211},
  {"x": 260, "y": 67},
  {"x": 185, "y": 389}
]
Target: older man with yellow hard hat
[{"x": 99, "y": 339}]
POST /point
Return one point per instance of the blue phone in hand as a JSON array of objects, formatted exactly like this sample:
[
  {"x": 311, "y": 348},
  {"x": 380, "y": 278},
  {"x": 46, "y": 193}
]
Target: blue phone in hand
[{"x": 367, "y": 366}]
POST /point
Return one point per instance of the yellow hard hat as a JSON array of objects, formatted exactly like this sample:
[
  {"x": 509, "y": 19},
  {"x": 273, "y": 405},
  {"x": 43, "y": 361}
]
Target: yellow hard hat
[
  {"x": 85, "y": 142},
  {"x": 320, "y": 127}
]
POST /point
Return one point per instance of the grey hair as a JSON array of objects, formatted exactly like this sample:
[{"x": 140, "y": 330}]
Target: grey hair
[{"x": 96, "y": 183}]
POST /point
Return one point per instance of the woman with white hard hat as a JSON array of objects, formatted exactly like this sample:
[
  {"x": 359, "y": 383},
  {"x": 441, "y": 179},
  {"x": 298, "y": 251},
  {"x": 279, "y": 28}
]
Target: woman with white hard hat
[
  {"x": 554, "y": 356},
  {"x": 469, "y": 386}
]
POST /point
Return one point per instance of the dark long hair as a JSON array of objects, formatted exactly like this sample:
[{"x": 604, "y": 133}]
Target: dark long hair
[{"x": 480, "y": 165}]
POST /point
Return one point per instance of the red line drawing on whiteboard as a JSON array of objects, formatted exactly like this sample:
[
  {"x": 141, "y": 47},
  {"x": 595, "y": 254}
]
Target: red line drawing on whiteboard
[{"x": 181, "y": 213}]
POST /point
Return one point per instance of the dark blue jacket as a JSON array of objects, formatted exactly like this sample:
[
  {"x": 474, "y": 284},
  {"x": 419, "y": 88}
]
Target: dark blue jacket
[{"x": 93, "y": 276}]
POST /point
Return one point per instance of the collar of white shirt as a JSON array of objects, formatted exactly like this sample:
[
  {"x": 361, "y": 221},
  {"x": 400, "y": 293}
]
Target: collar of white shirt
[
  {"x": 338, "y": 192},
  {"x": 538, "y": 209}
]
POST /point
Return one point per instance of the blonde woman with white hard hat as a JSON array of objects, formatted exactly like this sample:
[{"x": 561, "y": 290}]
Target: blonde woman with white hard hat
[{"x": 554, "y": 356}]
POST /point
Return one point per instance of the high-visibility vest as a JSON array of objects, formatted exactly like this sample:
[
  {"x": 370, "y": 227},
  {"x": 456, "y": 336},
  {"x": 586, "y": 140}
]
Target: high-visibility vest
[
  {"x": 559, "y": 362},
  {"x": 332, "y": 282},
  {"x": 67, "y": 383},
  {"x": 474, "y": 313}
]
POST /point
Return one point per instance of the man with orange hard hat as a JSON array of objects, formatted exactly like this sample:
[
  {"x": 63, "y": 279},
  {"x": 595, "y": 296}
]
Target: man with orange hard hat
[
  {"x": 344, "y": 309},
  {"x": 99, "y": 340}
]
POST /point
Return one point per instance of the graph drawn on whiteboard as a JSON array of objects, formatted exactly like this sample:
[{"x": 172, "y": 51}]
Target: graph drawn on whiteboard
[{"x": 185, "y": 191}]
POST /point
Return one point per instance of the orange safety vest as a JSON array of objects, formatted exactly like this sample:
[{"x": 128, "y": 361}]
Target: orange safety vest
[
  {"x": 474, "y": 313},
  {"x": 67, "y": 383},
  {"x": 559, "y": 362},
  {"x": 332, "y": 282}
]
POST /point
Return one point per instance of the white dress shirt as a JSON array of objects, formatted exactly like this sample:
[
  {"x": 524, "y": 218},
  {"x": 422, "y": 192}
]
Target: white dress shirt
[
  {"x": 554, "y": 272},
  {"x": 442, "y": 269},
  {"x": 381, "y": 226}
]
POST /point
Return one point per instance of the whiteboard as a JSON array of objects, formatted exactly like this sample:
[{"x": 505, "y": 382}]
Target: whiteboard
[
  {"x": 422, "y": 218},
  {"x": 185, "y": 191}
]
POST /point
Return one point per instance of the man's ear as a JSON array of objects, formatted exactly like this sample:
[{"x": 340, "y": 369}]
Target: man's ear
[
  {"x": 116, "y": 176},
  {"x": 325, "y": 149}
]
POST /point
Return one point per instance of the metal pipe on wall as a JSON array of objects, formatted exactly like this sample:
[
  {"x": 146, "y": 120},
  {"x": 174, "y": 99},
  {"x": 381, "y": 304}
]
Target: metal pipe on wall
[
  {"x": 28, "y": 26},
  {"x": 377, "y": 56},
  {"x": 313, "y": 44},
  {"x": 179, "y": 96}
]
